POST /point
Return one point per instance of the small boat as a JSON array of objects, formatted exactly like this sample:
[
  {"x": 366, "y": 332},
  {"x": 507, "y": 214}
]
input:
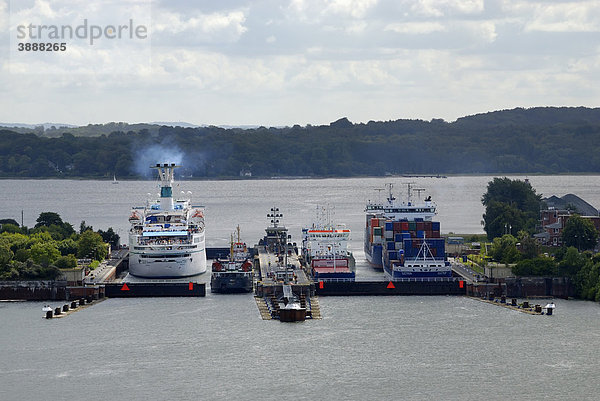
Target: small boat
[
  {"x": 290, "y": 308},
  {"x": 550, "y": 308},
  {"x": 115, "y": 180}
]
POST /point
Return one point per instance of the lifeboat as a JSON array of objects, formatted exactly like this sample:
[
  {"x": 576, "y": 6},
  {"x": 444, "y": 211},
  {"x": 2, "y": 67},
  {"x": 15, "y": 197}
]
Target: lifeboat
[
  {"x": 247, "y": 266},
  {"x": 217, "y": 266}
]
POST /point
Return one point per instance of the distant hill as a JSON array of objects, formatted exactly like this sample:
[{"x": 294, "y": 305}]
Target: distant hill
[
  {"x": 547, "y": 140},
  {"x": 536, "y": 116}
]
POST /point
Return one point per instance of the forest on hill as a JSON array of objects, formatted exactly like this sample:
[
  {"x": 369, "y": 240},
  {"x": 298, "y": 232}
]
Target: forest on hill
[{"x": 546, "y": 140}]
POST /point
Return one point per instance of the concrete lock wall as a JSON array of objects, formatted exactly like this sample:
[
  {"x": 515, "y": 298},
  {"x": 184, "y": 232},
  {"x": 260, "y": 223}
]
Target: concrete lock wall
[{"x": 35, "y": 290}]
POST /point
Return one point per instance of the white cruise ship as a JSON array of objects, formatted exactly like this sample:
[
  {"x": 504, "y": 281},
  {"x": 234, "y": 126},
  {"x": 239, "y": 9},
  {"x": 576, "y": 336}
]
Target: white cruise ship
[{"x": 166, "y": 239}]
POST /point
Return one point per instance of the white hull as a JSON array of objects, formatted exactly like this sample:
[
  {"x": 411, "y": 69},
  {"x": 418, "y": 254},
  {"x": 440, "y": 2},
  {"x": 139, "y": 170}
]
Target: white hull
[
  {"x": 167, "y": 269},
  {"x": 161, "y": 262}
]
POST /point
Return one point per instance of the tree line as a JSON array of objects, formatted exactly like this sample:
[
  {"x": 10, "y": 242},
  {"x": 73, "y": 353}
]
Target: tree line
[
  {"x": 512, "y": 206},
  {"x": 40, "y": 252},
  {"x": 509, "y": 141}
]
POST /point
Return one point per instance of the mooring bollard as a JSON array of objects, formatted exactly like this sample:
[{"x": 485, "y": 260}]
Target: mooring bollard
[
  {"x": 49, "y": 314},
  {"x": 538, "y": 308},
  {"x": 81, "y": 301},
  {"x": 73, "y": 305},
  {"x": 513, "y": 302},
  {"x": 525, "y": 304},
  {"x": 65, "y": 308},
  {"x": 503, "y": 299},
  {"x": 57, "y": 311}
]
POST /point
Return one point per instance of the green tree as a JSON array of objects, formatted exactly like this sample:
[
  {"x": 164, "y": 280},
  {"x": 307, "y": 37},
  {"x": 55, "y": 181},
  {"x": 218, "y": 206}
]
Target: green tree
[
  {"x": 16, "y": 241},
  {"x": 84, "y": 227},
  {"x": 536, "y": 267},
  {"x": 587, "y": 280},
  {"x": 110, "y": 237},
  {"x": 22, "y": 255},
  {"x": 572, "y": 262},
  {"x": 510, "y": 206},
  {"x": 66, "y": 262},
  {"x": 10, "y": 228},
  {"x": 504, "y": 249},
  {"x": 580, "y": 233},
  {"x": 44, "y": 253},
  {"x": 6, "y": 255},
  {"x": 67, "y": 247},
  {"x": 529, "y": 248},
  {"x": 48, "y": 218},
  {"x": 90, "y": 245}
]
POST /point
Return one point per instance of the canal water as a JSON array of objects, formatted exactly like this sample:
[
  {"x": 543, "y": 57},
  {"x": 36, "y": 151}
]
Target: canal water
[
  {"x": 365, "y": 348},
  {"x": 217, "y": 347}
]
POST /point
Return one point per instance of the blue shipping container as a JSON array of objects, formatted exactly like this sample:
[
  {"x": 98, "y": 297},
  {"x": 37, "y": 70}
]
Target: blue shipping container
[
  {"x": 391, "y": 246},
  {"x": 389, "y": 226}
]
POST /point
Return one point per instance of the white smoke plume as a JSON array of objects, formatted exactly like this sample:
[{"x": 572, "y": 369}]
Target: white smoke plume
[{"x": 150, "y": 155}]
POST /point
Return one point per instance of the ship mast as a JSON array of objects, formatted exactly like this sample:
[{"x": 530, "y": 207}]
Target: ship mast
[{"x": 166, "y": 175}]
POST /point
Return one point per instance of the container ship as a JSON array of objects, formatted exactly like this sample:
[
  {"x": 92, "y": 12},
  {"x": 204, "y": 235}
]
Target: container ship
[
  {"x": 325, "y": 250},
  {"x": 402, "y": 239},
  {"x": 235, "y": 273},
  {"x": 166, "y": 239}
]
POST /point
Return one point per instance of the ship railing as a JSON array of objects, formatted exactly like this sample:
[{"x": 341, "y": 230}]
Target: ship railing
[
  {"x": 428, "y": 279},
  {"x": 374, "y": 279}
]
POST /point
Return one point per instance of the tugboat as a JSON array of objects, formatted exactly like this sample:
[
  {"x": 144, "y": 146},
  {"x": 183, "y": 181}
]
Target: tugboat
[{"x": 235, "y": 273}]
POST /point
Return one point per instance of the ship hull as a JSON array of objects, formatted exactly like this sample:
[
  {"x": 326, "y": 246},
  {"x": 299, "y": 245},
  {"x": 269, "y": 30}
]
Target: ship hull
[
  {"x": 168, "y": 267},
  {"x": 373, "y": 254},
  {"x": 231, "y": 283},
  {"x": 400, "y": 272}
]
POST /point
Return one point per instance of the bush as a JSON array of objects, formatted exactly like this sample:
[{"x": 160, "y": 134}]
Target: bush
[{"x": 536, "y": 267}]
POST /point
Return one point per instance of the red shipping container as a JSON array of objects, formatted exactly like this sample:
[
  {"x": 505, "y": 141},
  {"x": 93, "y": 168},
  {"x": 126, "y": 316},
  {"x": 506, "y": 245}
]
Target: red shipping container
[
  {"x": 397, "y": 227},
  {"x": 427, "y": 225},
  {"x": 420, "y": 226},
  {"x": 435, "y": 234},
  {"x": 404, "y": 225}
]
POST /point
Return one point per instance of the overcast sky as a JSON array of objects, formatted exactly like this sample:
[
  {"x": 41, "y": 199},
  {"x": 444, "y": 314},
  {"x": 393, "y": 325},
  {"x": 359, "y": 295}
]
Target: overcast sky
[{"x": 285, "y": 62}]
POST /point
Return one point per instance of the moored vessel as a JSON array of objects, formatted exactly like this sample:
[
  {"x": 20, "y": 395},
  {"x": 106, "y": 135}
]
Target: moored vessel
[
  {"x": 166, "y": 239},
  {"x": 233, "y": 274},
  {"x": 402, "y": 239},
  {"x": 325, "y": 249}
]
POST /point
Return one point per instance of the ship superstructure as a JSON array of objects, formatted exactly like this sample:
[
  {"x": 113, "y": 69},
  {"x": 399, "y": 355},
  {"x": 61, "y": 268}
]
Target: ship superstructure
[{"x": 166, "y": 239}]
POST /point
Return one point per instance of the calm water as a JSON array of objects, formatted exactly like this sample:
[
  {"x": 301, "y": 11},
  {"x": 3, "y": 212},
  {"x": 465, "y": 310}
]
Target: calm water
[
  {"x": 365, "y": 348},
  {"x": 217, "y": 347}
]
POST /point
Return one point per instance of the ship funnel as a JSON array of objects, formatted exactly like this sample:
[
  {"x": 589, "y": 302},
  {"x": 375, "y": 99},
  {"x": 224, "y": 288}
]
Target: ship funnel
[{"x": 166, "y": 175}]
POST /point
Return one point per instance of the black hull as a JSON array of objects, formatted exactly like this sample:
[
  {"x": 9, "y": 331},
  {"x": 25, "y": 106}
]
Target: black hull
[{"x": 227, "y": 285}]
